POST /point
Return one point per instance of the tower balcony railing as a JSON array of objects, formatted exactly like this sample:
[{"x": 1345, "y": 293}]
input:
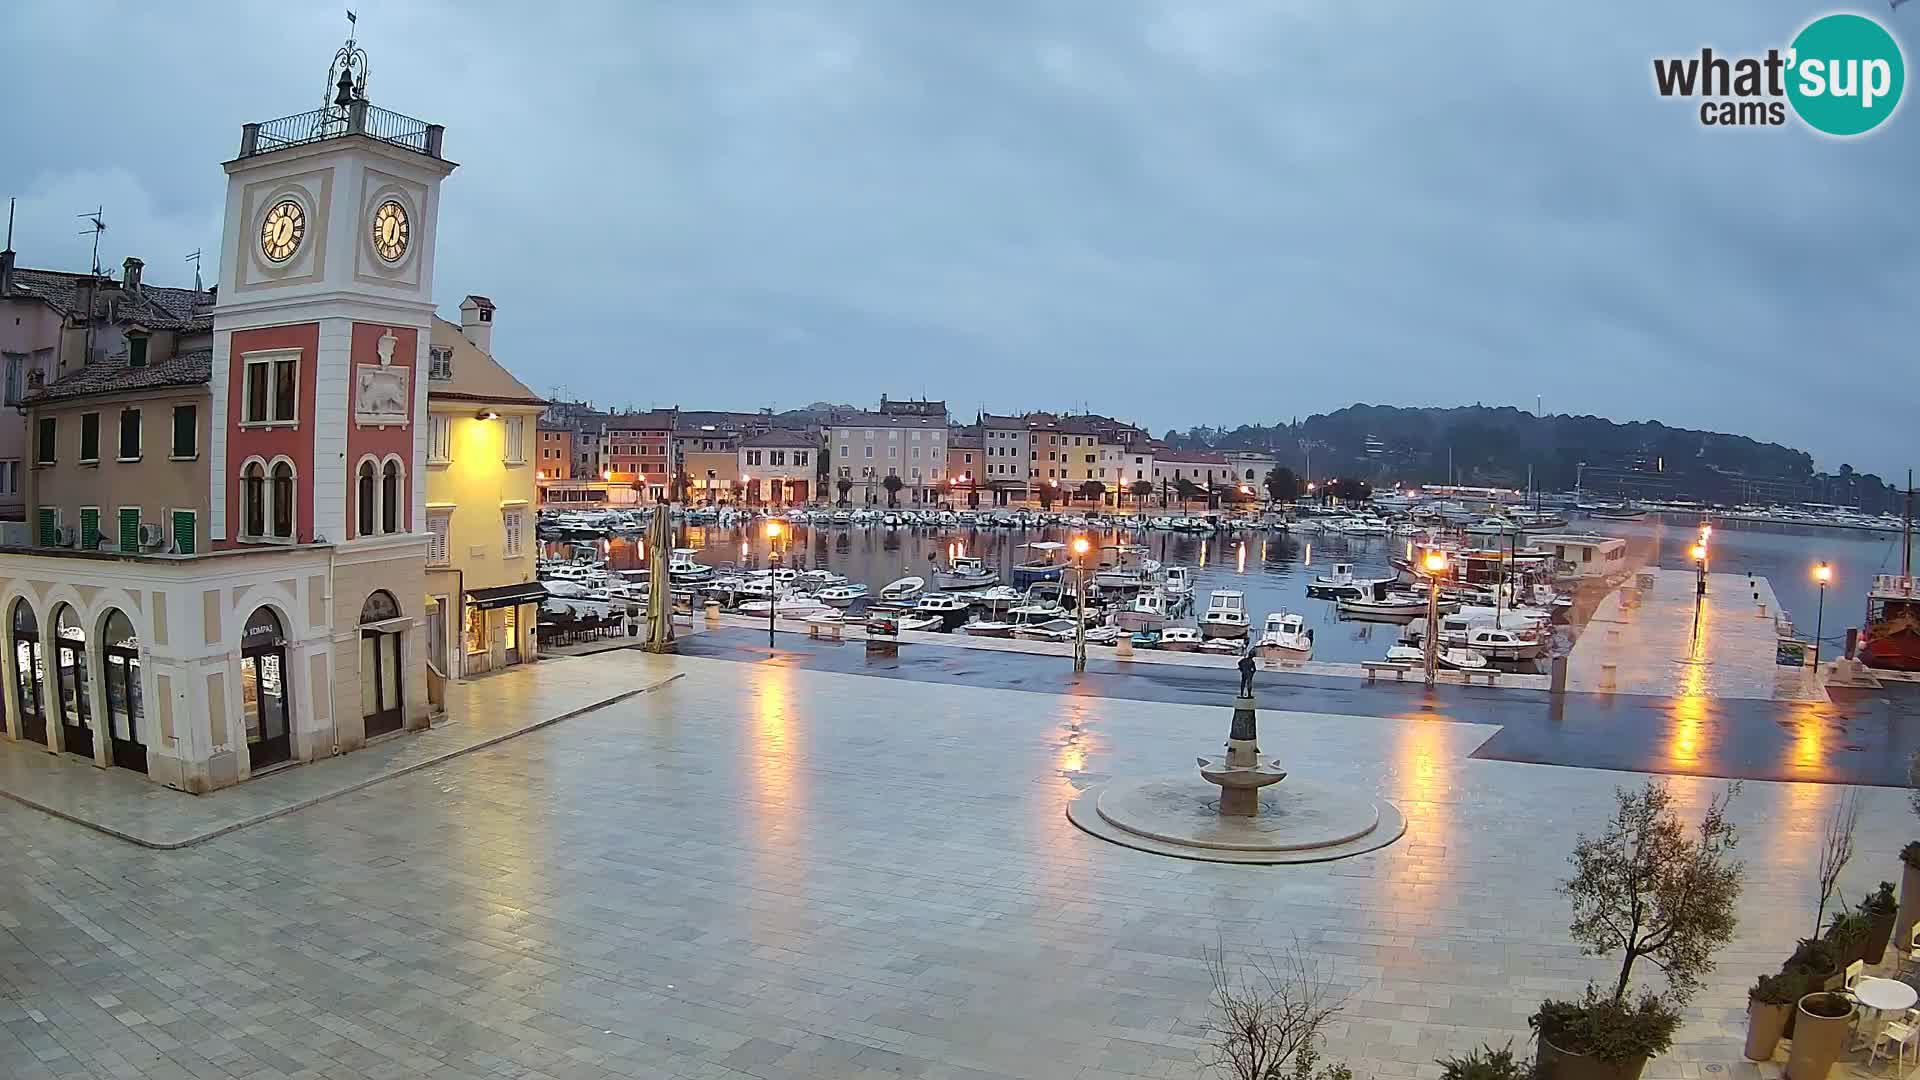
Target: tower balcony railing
[{"x": 359, "y": 118}]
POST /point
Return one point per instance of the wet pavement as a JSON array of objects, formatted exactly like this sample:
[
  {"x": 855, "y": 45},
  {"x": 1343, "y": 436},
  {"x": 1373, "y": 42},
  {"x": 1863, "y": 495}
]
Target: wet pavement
[{"x": 1861, "y": 737}]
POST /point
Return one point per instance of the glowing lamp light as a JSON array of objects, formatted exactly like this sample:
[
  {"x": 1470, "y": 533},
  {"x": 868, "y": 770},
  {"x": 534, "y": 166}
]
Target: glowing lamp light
[
  {"x": 606, "y": 474},
  {"x": 1699, "y": 552},
  {"x": 1706, "y": 533},
  {"x": 1823, "y": 573},
  {"x": 773, "y": 530},
  {"x": 1435, "y": 562},
  {"x": 1080, "y": 545},
  {"x": 1309, "y": 487}
]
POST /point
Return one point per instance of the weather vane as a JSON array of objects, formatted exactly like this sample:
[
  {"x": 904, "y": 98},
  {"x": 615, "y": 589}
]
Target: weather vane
[{"x": 344, "y": 86}]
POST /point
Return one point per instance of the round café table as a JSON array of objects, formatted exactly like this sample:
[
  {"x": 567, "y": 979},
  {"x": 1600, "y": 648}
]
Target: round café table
[{"x": 1883, "y": 996}]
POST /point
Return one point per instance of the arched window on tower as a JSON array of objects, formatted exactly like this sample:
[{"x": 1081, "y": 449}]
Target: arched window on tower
[
  {"x": 283, "y": 500},
  {"x": 367, "y": 496},
  {"x": 390, "y": 498},
  {"x": 253, "y": 499}
]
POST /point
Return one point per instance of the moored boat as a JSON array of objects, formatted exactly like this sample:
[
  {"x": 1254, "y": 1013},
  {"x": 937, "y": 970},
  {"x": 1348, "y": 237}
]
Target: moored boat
[
  {"x": 1226, "y": 614},
  {"x": 1286, "y": 636}
]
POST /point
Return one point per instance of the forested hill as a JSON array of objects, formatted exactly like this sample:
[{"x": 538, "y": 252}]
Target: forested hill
[{"x": 1495, "y": 446}]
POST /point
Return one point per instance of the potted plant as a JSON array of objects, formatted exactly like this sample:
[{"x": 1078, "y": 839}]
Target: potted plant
[
  {"x": 1812, "y": 966},
  {"x": 1486, "y": 1063},
  {"x": 1880, "y": 908},
  {"x": 1909, "y": 891},
  {"x": 1645, "y": 886},
  {"x": 1601, "y": 1037},
  {"x": 1820, "y": 1033},
  {"x": 1769, "y": 1003},
  {"x": 1848, "y": 932}
]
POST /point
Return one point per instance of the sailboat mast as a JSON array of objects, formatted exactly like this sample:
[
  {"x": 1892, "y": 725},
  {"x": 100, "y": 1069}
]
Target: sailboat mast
[{"x": 1906, "y": 534}]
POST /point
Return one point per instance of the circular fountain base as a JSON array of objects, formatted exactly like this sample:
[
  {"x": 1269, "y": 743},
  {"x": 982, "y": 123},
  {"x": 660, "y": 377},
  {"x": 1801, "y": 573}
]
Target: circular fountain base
[{"x": 1299, "y": 821}]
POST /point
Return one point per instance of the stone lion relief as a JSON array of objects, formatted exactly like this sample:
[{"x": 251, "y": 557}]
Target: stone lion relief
[{"x": 380, "y": 390}]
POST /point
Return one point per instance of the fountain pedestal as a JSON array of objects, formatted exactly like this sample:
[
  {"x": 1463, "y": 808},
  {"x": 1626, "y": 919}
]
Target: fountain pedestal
[{"x": 1244, "y": 770}]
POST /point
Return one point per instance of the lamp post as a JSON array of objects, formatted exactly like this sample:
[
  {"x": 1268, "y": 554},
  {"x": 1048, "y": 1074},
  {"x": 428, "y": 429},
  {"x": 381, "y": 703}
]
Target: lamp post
[
  {"x": 1080, "y": 548},
  {"x": 1822, "y": 574},
  {"x": 1435, "y": 565},
  {"x": 773, "y": 563},
  {"x": 1699, "y": 586}
]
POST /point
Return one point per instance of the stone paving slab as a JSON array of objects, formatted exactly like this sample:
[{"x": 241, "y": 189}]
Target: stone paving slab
[
  {"x": 1651, "y": 648},
  {"x": 762, "y": 871},
  {"x": 481, "y": 713}
]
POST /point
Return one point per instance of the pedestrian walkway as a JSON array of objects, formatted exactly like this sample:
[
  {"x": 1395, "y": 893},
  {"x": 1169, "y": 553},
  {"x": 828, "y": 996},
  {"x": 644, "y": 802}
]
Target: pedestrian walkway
[
  {"x": 480, "y": 713},
  {"x": 1653, "y": 648}
]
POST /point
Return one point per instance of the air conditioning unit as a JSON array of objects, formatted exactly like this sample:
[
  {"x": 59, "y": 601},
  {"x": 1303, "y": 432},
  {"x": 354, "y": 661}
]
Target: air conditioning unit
[
  {"x": 152, "y": 537},
  {"x": 65, "y": 536}
]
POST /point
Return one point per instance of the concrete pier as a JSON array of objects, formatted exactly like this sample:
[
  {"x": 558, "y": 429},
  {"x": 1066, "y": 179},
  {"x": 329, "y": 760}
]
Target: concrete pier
[{"x": 1652, "y": 649}]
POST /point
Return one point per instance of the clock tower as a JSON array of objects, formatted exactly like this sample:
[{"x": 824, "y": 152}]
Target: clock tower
[{"x": 319, "y": 389}]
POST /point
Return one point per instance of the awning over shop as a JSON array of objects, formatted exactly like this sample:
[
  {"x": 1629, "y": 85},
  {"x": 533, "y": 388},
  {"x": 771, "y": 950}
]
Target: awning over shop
[{"x": 527, "y": 592}]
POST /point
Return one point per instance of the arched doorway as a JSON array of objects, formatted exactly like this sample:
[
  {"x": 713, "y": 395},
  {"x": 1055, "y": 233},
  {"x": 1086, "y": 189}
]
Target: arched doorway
[
  {"x": 70, "y": 681},
  {"x": 265, "y": 699},
  {"x": 382, "y": 704},
  {"x": 29, "y": 702},
  {"x": 120, "y": 678}
]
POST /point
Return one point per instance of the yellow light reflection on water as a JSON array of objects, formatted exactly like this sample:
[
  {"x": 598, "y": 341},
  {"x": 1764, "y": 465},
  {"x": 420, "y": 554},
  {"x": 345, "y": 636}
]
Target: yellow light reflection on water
[
  {"x": 1203, "y": 552},
  {"x": 1307, "y": 558},
  {"x": 1240, "y": 558}
]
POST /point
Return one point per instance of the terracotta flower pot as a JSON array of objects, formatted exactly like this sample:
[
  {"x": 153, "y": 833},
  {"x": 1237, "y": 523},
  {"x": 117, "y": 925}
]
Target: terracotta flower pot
[
  {"x": 1765, "y": 1024},
  {"x": 1877, "y": 939},
  {"x": 1558, "y": 1064},
  {"x": 1817, "y": 1040},
  {"x": 1909, "y": 904}
]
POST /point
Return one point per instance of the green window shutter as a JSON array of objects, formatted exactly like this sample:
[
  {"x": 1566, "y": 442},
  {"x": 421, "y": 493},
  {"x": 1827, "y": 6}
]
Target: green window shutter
[
  {"x": 49, "y": 524},
  {"x": 129, "y": 528},
  {"x": 183, "y": 531},
  {"x": 89, "y": 528}
]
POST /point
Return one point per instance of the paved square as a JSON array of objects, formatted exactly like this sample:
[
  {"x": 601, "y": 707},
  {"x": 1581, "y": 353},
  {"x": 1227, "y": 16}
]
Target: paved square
[{"x": 761, "y": 871}]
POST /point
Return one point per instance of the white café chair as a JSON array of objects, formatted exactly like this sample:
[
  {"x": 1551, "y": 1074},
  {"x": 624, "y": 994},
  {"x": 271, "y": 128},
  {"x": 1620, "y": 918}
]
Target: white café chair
[
  {"x": 1903, "y": 1034},
  {"x": 1909, "y": 952}
]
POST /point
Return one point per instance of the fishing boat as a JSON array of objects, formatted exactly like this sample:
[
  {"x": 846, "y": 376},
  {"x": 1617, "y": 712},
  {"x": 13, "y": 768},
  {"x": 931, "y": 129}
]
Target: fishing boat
[
  {"x": 1177, "y": 583},
  {"x": 1042, "y": 602},
  {"x": 1045, "y": 565},
  {"x": 913, "y": 620},
  {"x": 1891, "y": 638},
  {"x": 1383, "y": 604},
  {"x": 1498, "y": 643},
  {"x": 1226, "y": 614},
  {"x": 1493, "y": 526},
  {"x": 1339, "y": 585},
  {"x": 1128, "y": 569},
  {"x": 967, "y": 572},
  {"x": 907, "y": 588},
  {"x": 951, "y": 609},
  {"x": 1050, "y": 630},
  {"x": 1149, "y": 611},
  {"x": 1179, "y": 639},
  {"x": 1462, "y": 659},
  {"x": 842, "y": 595},
  {"x": 1286, "y": 636},
  {"x": 681, "y": 566},
  {"x": 1223, "y": 646},
  {"x": 993, "y": 598}
]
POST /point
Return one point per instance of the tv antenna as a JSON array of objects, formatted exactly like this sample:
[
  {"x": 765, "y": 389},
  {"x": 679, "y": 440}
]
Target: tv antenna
[
  {"x": 96, "y": 224},
  {"x": 194, "y": 258}
]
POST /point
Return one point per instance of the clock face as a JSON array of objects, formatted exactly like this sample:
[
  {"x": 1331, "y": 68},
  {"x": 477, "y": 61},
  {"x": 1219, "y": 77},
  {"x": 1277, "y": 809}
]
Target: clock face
[
  {"x": 390, "y": 229},
  {"x": 280, "y": 234}
]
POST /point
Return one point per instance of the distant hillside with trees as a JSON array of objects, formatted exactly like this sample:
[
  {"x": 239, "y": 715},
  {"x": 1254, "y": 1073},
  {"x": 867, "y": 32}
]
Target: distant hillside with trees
[{"x": 1487, "y": 446}]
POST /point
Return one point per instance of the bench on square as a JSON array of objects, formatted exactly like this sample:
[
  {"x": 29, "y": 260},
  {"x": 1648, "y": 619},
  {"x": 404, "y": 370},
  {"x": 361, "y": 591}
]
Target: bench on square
[
  {"x": 828, "y": 630},
  {"x": 1375, "y": 667},
  {"x": 1492, "y": 675}
]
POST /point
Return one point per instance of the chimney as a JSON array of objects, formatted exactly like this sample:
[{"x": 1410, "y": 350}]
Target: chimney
[
  {"x": 6, "y": 272},
  {"x": 476, "y": 322},
  {"x": 130, "y": 275}
]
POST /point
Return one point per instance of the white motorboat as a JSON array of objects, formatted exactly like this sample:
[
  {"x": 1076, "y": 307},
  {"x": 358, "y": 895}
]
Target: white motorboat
[
  {"x": 1223, "y": 647},
  {"x": 681, "y": 566},
  {"x": 1407, "y": 654},
  {"x": 913, "y": 620},
  {"x": 1177, "y": 583},
  {"x": 1180, "y": 639},
  {"x": 1042, "y": 602},
  {"x": 1363, "y": 526},
  {"x": 1226, "y": 614},
  {"x": 951, "y": 609},
  {"x": 1338, "y": 585},
  {"x": 819, "y": 579},
  {"x": 1128, "y": 569},
  {"x": 1149, "y": 611},
  {"x": 787, "y": 607},
  {"x": 829, "y": 617},
  {"x": 994, "y": 598},
  {"x": 1492, "y": 526},
  {"x": 1385, "y": 605},
  {"x": 967, "y": 572},
  {"x": 1050, "y": 630},
  {"x": 1000, "y": 628},
  {"x": 1104, "y": 635},
  {"x": 1286, "y": 636},
  {"x": 907, "y": 588},
  {"x": 842, "y": 595},
  {"x": 1497, "y": 643},
  {"x": 1462, "y": 659}
]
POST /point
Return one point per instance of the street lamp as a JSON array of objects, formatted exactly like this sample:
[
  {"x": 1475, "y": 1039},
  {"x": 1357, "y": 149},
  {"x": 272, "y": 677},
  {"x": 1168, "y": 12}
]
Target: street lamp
[
  {"x": 773, "y": 563},
  {"x": 1822, "y": 574},
  {"x": 1699, "y": 585},
  {"x": 1435, "y": 564},
  {"x": 1080, "y": 549}
]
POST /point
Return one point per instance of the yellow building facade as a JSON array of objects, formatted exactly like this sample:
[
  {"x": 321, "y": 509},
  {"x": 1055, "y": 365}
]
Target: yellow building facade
[{"x": 483, "y": 596}]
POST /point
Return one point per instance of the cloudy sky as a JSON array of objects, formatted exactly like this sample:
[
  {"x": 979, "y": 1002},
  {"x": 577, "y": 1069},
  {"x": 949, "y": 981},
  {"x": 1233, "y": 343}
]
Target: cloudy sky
[{"x": 1176, "y": 211}]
